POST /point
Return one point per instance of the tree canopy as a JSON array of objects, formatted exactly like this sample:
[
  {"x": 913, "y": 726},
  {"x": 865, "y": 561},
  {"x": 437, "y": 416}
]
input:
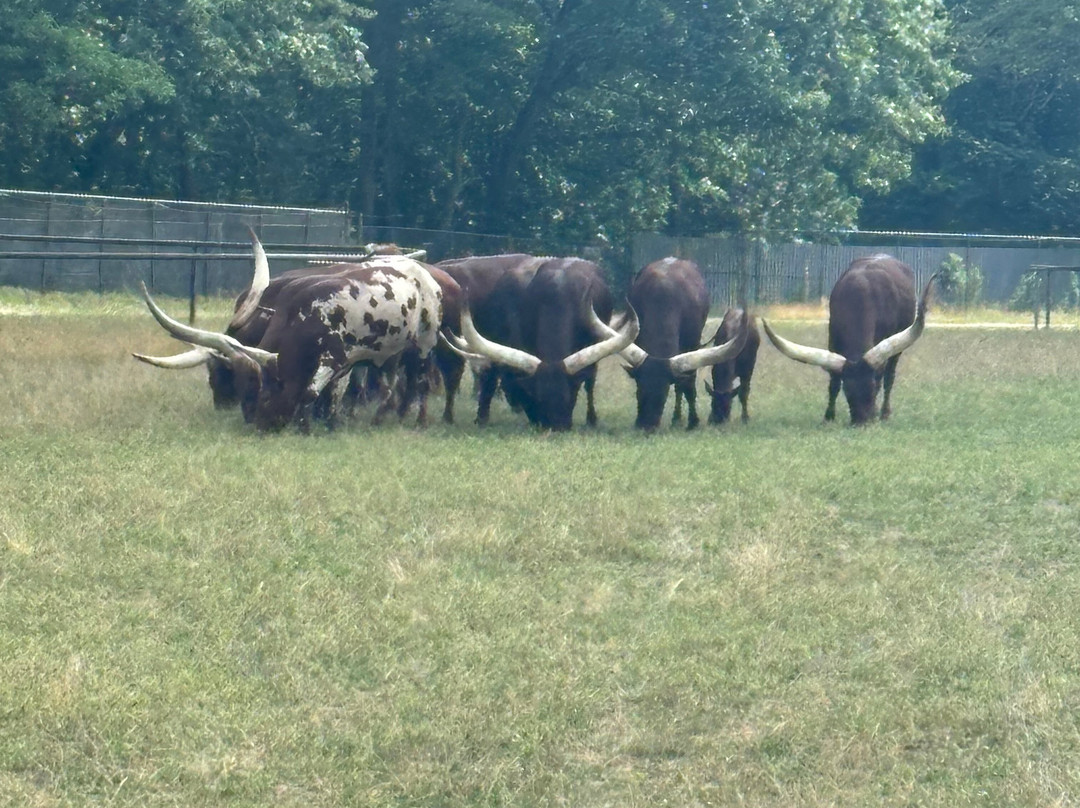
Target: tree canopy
[
  {"x": 578, "y": 121},
  {"x": 1010, "y": 159}
]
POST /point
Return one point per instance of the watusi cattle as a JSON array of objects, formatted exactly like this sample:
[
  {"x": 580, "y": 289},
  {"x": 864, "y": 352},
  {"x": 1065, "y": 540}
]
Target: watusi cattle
[
  {"x": 494, "y": 286},
  {"x": 252, "y": 311},
  {"x": 558, "y": 314},
  {"x": 873, "y": 318},
  {"x": 672, "y": 303},
  {"x": 320, "y": 328},
  {"x": 732, "y": 377}
]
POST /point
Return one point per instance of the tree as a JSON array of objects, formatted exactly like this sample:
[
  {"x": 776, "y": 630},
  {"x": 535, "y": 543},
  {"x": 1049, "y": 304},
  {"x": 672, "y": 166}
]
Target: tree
[
  {"x": 1011, "y": 159},
  {"x": 60, "y": 83},
  {"x": 589, "y": 119},
  {"x": 204, "y": 99}
]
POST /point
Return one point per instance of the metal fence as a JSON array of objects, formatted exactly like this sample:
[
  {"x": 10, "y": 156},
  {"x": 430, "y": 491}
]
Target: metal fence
[
  {"x": 76, "y": 242},
  {"x": 112, "y": 227},
  {"x": 737, "y": 268}
]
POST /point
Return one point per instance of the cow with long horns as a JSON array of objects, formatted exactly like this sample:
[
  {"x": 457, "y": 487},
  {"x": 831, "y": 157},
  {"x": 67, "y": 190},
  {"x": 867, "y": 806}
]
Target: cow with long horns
[
  {"x": 672, "y": 301},
  {"x": 320, "y": 327},
  {"x": 559, "y": 312},
  {"x": 873, "y": 317},
  {"x": 732, "y": 376},
  {"x": 251, "y": 315},
  {"x": 493, "y": 285}
]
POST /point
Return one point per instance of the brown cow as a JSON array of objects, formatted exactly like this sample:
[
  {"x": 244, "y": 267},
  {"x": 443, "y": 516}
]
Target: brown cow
[{"x": 873, "y": 318}]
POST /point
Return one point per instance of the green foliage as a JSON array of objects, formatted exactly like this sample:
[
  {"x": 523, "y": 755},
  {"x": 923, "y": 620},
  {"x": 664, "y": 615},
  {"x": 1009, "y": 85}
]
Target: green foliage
[
  {"x": 1030, "y": 292},
  {"x": 60, "y": 84},
  {"x": 960, "y": 282},
  {"x": 203, "y": 99},
  {"x": 512, "y": 116},
  {"x": 1011, "y": 160}
]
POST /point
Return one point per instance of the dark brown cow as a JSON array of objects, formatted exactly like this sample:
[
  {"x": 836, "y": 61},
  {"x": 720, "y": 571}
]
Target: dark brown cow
[
  {"x": 873, "y": 318},
  {"x": 733, "y": 376},
  {"x": 251, "y": 315},
  {"x": 320, "y": 328},
  {"x": 493, "y": 285},
  {"x": 558, "y": 313},
  {"x": 672, "y": 302}
]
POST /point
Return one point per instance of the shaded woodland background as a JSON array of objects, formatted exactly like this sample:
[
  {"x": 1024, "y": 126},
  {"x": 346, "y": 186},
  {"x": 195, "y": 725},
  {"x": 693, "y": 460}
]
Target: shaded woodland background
[{"x": 581, "y": 121}]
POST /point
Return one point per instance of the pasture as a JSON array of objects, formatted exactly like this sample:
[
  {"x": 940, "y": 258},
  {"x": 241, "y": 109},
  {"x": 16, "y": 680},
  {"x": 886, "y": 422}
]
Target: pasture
[{"x": 779, "y": 613}]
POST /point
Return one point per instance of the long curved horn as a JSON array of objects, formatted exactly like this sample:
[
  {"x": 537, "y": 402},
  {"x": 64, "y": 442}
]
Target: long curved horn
[
  {"x": 187, "y": 359},
  {"x": 460, "y": 347},
  {"x": 622, "y": 339},
  {"x": 832, "y": 362},
  {"x": 632, "y": 355},
  {"x": 713, "y": 355},
  {"x": 259, "y": 281},
  {"x": 502, "y": 354},
  {"x": 222, "y": 343},
  {"x": 889, "y": 347}
]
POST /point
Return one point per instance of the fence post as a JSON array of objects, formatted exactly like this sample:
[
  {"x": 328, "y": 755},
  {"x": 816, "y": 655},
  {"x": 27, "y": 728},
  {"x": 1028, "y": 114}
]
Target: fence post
[
  {"x": 101, "y": 248},
  {"x": 48, "y": 232},
  {"x": 1047, "y": 324}
]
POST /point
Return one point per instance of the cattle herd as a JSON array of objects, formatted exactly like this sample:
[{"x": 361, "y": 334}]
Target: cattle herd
[{"x": 310, "y": 343}]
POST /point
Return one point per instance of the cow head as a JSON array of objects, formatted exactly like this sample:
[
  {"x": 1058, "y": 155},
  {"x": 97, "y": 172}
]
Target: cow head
[
  {"x": 230, "y": 382},
  {"x": 549, "y": 388},
  {"x": 249, "y": 366},
  {"x": 654, "y": 375},
  {"x": 724, "y": 387},
  {"x": 860, "y": 378}
]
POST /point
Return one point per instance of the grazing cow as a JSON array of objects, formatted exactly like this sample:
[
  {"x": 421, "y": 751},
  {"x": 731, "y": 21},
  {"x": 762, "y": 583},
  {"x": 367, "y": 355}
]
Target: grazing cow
[
  {"x": 251, "y": 315},
  {"x": 873, "y": 318},
  {"x": 733, "y": 376},
  {"x": 559, "y": 312},
  {"x": 320, "y": 328},
  {"x": 672, "y": 302},
  {"x": 252, "y": 312},
  {"x": 448, "y": 362},
  {"x": 493, "y": 285}
]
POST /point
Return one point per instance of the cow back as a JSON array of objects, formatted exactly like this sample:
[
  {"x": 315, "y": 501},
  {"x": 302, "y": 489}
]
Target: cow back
[
  {"x": 873, "y": 299},
  {"x": 554, "y": 307},
  {"x": 672, "y": 303}
]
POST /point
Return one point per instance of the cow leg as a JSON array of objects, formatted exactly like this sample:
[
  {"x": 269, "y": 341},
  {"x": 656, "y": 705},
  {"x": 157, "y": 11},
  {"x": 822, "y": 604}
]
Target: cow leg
[
  {"x": 423, "y": 388},
  {"x": 413, "y": 367},
  {"x": 386, "y": 402},
  {"x": 451, "y": 372},
  {"x": 306, "y": 410},
  {"x": 688, "y": 389},
  {"x": 834, "y": 391},
  {"x": 333, "y": 397},
  {"x": 676, "y": 416},
  {"x": 590, "y": 398},
  {"x": 744, "y": 395},
  {"x": 887, "y": 381},
  {"x": 489, "y": 379},
  {"x": 388, "y": 373}
]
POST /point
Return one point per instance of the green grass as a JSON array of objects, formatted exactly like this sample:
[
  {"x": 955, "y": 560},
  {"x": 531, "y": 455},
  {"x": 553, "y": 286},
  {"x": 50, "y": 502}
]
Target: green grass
[{"x": 781, "y": 613}]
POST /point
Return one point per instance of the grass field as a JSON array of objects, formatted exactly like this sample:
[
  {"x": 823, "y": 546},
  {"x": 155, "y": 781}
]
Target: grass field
[{"x": 779, "y": 613}]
